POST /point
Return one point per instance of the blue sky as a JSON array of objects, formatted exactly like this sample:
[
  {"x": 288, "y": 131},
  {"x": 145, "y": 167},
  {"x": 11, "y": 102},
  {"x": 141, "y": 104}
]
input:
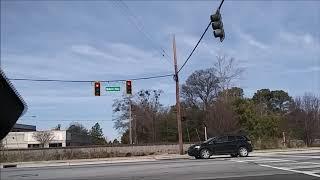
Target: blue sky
[{"x": 277, "y": 42}]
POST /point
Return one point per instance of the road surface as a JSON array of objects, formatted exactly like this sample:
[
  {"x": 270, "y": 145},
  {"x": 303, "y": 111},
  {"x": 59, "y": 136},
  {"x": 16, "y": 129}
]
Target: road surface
[{"x": 302, "y": 166}]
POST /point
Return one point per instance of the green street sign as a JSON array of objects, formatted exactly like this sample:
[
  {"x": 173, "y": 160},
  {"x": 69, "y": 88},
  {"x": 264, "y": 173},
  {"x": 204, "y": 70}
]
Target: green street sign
[{"x": 113, "y": 88}]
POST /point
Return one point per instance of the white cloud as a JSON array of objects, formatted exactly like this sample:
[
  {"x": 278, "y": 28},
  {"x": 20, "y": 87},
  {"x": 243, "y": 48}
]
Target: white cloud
[
  {"x": 85, "y": 62},
  {"x": 300, "y": 39},
  {"x": 306, "y": 70},
  {"x": 117, "y": 52},
  {"x": 188, "y": 39},
  {"x": 308, "y": 39},
  {"x": 253, "y": 41},
  {"x": 126, "y": 56},
  {"x": 87, "y": 50}
]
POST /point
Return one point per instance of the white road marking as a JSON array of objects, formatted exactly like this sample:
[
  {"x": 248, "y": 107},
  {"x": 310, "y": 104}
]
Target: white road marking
[
  {"x": 309, "y": 157},
  {"x": 291, "y": 170},
  {"x": 302, "y": 167},
  {"x": 315, "y": 171},
  {"x": 294, "y": 163},
  {"x": 267, "y": 160}
]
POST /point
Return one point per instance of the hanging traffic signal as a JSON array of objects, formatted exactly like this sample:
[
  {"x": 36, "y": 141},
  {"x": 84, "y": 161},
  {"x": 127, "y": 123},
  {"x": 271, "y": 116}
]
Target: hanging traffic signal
[
  {"x": 97, "y": 88},
  {"x": 217, "y": 25},
  {"x": 129, "y": 87}
]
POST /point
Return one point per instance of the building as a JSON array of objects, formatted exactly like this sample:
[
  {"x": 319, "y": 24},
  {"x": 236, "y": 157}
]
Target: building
[
  {"x": 22, "y": 137},
  {"x": 24, "y": 140},
  {"x": 23, "y": 128}
]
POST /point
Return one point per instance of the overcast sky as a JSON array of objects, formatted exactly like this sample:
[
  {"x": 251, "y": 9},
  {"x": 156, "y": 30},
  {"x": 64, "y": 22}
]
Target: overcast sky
[{"x": 277, "y": 42}]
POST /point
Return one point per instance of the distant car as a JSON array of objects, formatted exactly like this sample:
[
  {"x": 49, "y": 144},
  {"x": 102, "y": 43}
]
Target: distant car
[{"x": 222, "y": 145}]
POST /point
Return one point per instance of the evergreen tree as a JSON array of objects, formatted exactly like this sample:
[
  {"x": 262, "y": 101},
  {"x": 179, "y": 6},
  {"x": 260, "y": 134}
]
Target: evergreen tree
[{"x": 97, "y": 135}]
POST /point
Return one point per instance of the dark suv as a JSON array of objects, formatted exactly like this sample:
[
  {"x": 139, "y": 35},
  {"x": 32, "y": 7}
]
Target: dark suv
[{"x": 221, "y": 145}]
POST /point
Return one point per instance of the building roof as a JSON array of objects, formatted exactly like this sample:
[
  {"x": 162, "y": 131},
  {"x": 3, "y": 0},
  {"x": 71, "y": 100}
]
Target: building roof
[{"x": 23, "y": 127}]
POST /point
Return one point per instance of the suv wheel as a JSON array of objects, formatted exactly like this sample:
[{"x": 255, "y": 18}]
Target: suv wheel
[
  {"x": 205, "y": 154},
  {"x": 197, "y": 157},
  {"x": 243, "y": 152}
]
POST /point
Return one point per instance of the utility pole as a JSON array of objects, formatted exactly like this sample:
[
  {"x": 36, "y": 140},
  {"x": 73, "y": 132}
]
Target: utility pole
[
  {"x": 130, "y": 120},
  {"x": 205, "y": 133},
  {"x": 135, "y": 130},
  {"x": 176, "y": 78}
]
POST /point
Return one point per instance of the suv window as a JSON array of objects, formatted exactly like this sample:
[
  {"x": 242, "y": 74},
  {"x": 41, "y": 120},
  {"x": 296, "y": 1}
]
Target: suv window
[
  {"x": 242, "y": 138},
  {"x": 222, "y": 139},
  {"x": 231, "y": 138}
]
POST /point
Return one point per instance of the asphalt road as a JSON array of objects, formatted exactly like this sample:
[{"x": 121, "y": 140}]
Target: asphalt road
[{"x": 304, "y": 166}]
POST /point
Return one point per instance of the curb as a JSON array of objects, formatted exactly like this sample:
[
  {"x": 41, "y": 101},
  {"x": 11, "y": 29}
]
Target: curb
[
  {"x": 287, "y": 150},
  {"x": 171, "y": 158},
  {"x": 87, "y": 162}
]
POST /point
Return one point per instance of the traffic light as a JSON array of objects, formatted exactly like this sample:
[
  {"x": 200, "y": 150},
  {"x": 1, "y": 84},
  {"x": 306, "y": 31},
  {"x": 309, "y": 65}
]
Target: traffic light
[
  {"x": 129, "y": 87},
  {"x": 97, "y": 88},
  {"x": 217, "y": 25}
]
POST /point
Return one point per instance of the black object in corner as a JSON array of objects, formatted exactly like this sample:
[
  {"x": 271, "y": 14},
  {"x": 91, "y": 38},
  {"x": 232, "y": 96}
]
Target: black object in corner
[{"x": 12, "y": 105}]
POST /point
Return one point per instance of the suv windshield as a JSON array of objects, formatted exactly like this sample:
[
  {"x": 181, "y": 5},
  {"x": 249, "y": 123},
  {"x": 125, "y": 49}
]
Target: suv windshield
[{"x": 210, "y": 139}]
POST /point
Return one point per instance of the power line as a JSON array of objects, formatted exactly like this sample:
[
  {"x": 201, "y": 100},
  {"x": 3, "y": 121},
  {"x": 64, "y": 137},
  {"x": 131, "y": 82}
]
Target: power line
[
  {"x": 135, "y": 21},
  {"x": 220, "y": 4},
  {"x": 89, "y": 81},
  {"x": 145, "y": 33},
  {"x": 185, "y": 62}
]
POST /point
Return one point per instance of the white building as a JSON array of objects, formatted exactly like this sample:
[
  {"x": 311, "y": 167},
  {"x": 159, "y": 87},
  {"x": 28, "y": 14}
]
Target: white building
[{"x": 19, "y": 140}]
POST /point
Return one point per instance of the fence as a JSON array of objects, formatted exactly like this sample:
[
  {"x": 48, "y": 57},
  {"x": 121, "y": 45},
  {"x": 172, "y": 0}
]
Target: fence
[
  {"x": 63, "y": 153},
  {"x": 88, "y": 152}
]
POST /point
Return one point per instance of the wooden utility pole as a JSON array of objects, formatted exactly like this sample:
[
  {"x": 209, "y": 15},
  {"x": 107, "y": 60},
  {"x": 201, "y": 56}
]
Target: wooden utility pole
[
  {"x": 176, "y": 78},
  {"x": 130, "y": 121},
  {"x": 205, "y": 133}
]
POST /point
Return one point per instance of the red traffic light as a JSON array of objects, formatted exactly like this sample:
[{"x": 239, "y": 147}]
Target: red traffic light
[
  {"x": 129, "y": 87},
  {"x": 97, "y": 88}
]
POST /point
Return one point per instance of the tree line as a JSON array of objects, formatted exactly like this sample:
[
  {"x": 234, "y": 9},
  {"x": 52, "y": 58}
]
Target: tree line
[
  {"x": 209, "y": 100},
  {"x": 94, "y": 135}
]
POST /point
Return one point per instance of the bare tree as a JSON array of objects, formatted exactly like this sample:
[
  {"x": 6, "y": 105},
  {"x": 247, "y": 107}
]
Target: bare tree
[
  {"x": 207, "y": 89},
  {"x": 44, "y": 137},
  {"x": 145, "y": 114},
  {"x": 145, "y": 107},
  {"x": 226, "y": 70},
  {"x": 304, "y": 117},
  {"x": 121, "y": 114},
  {"x": 201, "y": 88},
  {"x": 225, "y": 118}
]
